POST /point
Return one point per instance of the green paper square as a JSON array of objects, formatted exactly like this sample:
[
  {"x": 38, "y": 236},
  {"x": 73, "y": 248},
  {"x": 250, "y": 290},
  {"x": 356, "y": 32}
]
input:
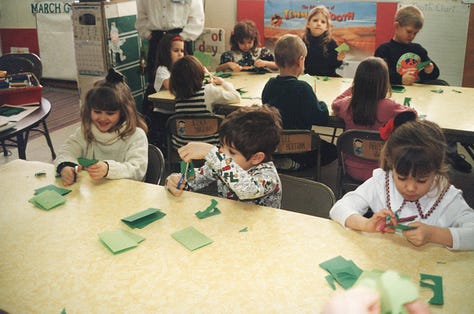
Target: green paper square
[
  {"x": 119, "y": 240},
  {"x": 52, "y": 187},
  {"x": 48, "y": 199},
  {"x": 345, "y": 272},
  {"x": 342, "y": 47},
  {"x": 143, "y": 218},
  {"x": 191, "y": 238},
  {"x": 86, "y": 162}
]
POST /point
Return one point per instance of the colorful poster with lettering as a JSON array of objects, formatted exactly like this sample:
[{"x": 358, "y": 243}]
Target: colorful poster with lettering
[
  {"x": 353, "y": 22},
  {"x": 209, "y": 46}
]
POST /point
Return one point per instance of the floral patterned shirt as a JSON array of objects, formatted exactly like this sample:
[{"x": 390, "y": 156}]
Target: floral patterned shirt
[{"x": 246, "y": 58}]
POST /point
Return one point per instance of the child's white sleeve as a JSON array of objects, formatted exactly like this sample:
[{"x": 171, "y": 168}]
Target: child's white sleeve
[{"x": 220, "y": 94}]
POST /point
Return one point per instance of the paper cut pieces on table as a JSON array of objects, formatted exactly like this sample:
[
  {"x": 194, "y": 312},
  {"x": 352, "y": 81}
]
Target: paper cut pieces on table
[
  {"x": 241, "y": 91},
  {"x": 457, "y": 91},
  {"x": 119, "y": 240},
  {"x": 324, "y": 78},
  {"x": 342, "y": 47},
  {"x": 330, "y": 280},
  {"x": 223, "y": 74},
  {"x": 63, "y": 311},
  {"x": 246, "y": 229},
  {"x": 8, "y": 111},
  {"x": 211, "y": 210},
  {"x": 438, "y": 90},
  {"x": 398, "y": 88},
  {"x": 86, "y": 162},
  {"x": 48, "y": 199},
  {"x": 40, "y": 173},
  {"x": 143, "y": 218},
  {"x": 421, "y": 65},
  {"x": 191, "y": 238},
  {"x": 203, "y": 57},
  {"x": 395, "y": 290},
  {"x": 399, "y": 225},
  {"x": 52, "y": 187},
  {"x": 437, "y": 287},
  {"x": 345, "y": 272},
  {"x": 406, "y": 101}
]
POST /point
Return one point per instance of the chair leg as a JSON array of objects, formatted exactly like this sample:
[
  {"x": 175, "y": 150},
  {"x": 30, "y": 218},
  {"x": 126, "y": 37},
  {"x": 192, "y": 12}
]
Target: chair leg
[
  {"x": 469, "y": 148},
  {"x": 48, "y": 140}
]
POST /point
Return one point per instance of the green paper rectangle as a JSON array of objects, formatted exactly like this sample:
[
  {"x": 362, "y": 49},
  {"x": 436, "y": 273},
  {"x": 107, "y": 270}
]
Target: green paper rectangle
[
  {"x": 191, "y": 238},
  {"x": 48, "y": 199},
  {"x": 421, "y": 65},
  {"x": 403, "y": 227},
  {"x": 52, "y": 187},
  {"x": 398, "y": 88},
  {"x": 143, "y": 218},
  {"x": 119, "y": 240},
  {"x": 86, "y": 162},
  {"x": 342, "y": 47}
]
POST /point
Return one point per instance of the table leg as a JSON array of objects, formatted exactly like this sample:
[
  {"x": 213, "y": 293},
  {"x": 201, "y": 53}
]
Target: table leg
[
  {"x": 21, "y": 144},
  {"x": 48, "y": 140}
]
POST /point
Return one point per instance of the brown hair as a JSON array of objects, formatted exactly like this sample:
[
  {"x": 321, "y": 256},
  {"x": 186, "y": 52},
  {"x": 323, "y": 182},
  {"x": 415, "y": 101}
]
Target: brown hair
[
  {"x": 187, "y": 75},
  {"x": 327, "y": 35},
  {"x": 410, "y": 15},
  {"x": 110, "y": 95},
  {"x": 244, "y": 30},
  {"x": 415, "y": 148},
  {"x": 371, "y": 84},
  {"x": 288, "y": 49},
  {"x": 163, "y": 51},
  {"x": 252, "y": 129}
]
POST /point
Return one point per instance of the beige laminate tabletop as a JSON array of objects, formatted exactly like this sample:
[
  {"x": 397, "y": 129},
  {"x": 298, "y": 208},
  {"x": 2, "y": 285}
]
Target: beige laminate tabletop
[
  {"x": 453, "y": 109},
  {"x": 52, "y": 260}
]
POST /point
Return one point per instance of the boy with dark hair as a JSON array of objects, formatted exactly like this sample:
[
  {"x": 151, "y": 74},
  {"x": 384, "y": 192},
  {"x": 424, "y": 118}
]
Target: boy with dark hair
[{"x": 242, "y": 164}]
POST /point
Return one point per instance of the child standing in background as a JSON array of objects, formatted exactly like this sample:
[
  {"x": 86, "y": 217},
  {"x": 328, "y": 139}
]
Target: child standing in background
[
  {"x": 412, "y": 182},
  {"x": 366, "y": 106},
  {"x": 322, "y": 58},
  {"x": 195, "y": 97},
  {"x": 245, "y": 54},
  {"x": 295, "y": 99},
  {"x": 242, "y": 164},
  {"x": 111, "y": 131}
]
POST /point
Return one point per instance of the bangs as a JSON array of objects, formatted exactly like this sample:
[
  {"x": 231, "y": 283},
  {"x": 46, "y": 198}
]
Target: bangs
[
  {"x": 104, "y": 99},
  {"x": 415, "y": 162}
]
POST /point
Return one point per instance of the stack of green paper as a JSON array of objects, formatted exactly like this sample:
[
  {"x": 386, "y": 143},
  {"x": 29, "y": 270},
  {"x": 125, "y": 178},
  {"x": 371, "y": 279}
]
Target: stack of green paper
[
  {"x": 118, "y": 241},
  {"x": 143, "y": 218},
  {"x": 52, "y": 187},
  {"x": 191, "y": 238},
  {"x": 345, "y": 272},
  {"x": 47, "y": 199}
]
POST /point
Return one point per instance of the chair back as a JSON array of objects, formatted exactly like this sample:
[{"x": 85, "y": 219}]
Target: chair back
[
  {"x": 360, "y": 144},
  {"x": 156, "y": 165},
  {"x": 299, "y": 142},
  {"x": 306, "y": 196},
  {"x": 193, "y": 127},
  {"x": 21, "y": 62}
]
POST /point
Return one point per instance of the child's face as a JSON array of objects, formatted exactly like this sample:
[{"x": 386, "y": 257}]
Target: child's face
[
  {"x": 177, "y": 50},
  {"x": 105, "y": 120},
  {"x": 246, "y": 44},
  {"x": 412, "y": 188},
  {"x": 237, "y": 156},
  {"x": 405, "y": 34},
  {"x": 317, "y": 25}
]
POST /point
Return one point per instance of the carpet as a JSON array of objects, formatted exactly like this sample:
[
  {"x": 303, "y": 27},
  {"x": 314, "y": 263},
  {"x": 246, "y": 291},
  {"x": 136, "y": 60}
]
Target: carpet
[{"x": 65, "y": 107}]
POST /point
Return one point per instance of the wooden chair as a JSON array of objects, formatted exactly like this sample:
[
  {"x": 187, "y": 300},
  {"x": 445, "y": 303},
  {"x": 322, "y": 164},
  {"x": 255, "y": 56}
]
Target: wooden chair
[
  {"x": 360, "y": 144},
  {"x": 300, "y": 142},
  {"x": 196, "y": 127},
  {"x": 156, "y": 165},
  {"x": 306, "y": 196}
]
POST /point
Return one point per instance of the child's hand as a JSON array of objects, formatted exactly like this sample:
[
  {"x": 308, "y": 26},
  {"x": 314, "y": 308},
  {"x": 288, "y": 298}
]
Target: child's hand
[
  {"x": 194, "y": 150},
  {"x": 217, "y": 80},
  {"x": 419, "y": 236},
  {"x": 68, "y": 175},
  {"x": 259, "y": 63},
  {"x": 429, "y": 68},
  {"x": 341, "y": 55},
  {"x": 409, "y": 77},
  {"x": 235, "y": 67},
  {"x": 172, "y": 182},
  {"x": 376, "y": 223},
  {"x": 98, "y": 170}
]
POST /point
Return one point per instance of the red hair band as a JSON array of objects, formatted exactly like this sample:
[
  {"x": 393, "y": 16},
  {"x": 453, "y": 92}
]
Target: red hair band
[{"x": 177, "y": 38}]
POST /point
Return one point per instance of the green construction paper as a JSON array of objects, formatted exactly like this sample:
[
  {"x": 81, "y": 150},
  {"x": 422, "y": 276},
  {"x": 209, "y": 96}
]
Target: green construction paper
[
  {"x": 241, "y": 91},
  {"x": 398, "y": 88},
  {"x": 223, "y": 74},
  {"x": 48, "y": 199},
  {"x": 191, "y": 238},
  {"x": 40, "y": 173},
  {"x": 10, "y": 111},
  {"x": 86, "y": 162},
  {"x": 52, "y": 187},
  {"x": 118, "y": 241},
  {"x": 395, "y": 290},
  {"x": 330, "y": 280},
  {"x": 246, "y": 229},
  {"x": 403, "y": 227},
  {"x": 191, "y": 174},
  {"x": 345, "y": 272},
  {"x": 457, "y": 91},
  {"x": 406, "y": 101},
  {"x": 203, "y": 57},
  {"x": 438, "y": 90},
  {"x": 421, "y": 65},
  {"x": 63, "y": 311},
  {"x": 342, "y": 47},
  {"x": 211, "y": 210},
  {"x": 437, "y": 288},
  {"x": 324, "y": 78},
  {"x": 143, "y": 218}
]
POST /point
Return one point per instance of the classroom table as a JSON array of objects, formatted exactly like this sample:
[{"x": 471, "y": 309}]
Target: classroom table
[
  {"x": 53, "y": 260},
  {"x": 452, "y": 108}
]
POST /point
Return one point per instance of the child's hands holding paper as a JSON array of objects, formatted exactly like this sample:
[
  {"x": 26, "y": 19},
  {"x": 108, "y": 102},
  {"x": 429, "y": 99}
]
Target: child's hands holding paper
[
  {"x": 69, "y": 174},
  {"x": 173, "y": 181},
  {"x": 194, "y": 151},
  {"x": 98, "y": 170}
]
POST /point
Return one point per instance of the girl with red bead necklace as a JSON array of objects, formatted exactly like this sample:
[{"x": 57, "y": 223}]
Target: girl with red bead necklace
[{"x": 411, "y": 185}]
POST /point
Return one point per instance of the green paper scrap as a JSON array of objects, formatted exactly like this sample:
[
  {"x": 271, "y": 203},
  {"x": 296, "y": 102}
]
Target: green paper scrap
[
  {"x": 211, "y": 210},
  {"x": 187, "y": 168},
  {"x": 119, "y": 240},
  {"x": 86, "y": 162},
  {"x": 398, "y": 89},
  {"x": 330, "y": 280},
  {"x": 10, "y": 111},
  {"x": 457, "y": 91},
  {"x": 52, "y": 187},
  {"x": 342, "y": 47},
  {"x": 406, "y": 101},
  {"x": 345, "y": 272},
  {"x": 440, "y": 262},
  {"x": 421, "y": 65},
  {"x": 223, "y": 74},
  {"x": 324, "y": 78},
  {"x": 439, "y": 91},
  {"x": 241, "y": 91},
  {"x": 63, "y": 311},
  {"x": 403, "y": 227},
  {"x": 203, "y": 57},
  {"x": 395, "y": 290},
  {"x": 246, "y": 229},
  {"x": 191, "y": 238},
  {"x": 48, "y": 199},
  {"x": 437, "y": 288},
  {"x": 143, "y": 218},
  {"x": 40, "y": 173}
]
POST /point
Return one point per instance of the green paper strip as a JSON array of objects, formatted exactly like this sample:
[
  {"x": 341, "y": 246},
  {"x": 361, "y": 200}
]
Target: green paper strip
[
  {"x": 143, "y": 218},
  {"x": 244, "y": 229},
  {"x": 191, "y": 238},
  {"x": 437, "y": 288},
  {"x": 190, "y": 169},
  {"x": 402, "y": 227},
  {"x": 439, "y": 91},
  {"x": 330, "y": 280},
  {"x": 86, "y": 162},
  {"x": 421, "y": 65},
  {"x": 52, "y": 187},
  {"x": 223, "y": 74}
]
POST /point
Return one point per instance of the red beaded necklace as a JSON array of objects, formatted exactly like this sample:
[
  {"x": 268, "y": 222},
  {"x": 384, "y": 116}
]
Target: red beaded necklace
[{"x": 418, "y": 206}]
